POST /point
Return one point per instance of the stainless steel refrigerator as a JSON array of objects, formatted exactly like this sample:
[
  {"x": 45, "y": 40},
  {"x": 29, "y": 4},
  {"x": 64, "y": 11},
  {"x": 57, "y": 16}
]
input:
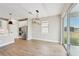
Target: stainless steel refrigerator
[{"x": 23, "y": 31}]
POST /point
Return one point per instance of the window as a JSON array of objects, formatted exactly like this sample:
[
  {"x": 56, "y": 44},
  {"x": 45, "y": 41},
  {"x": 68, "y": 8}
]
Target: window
[{"x": 44, "y": 26}]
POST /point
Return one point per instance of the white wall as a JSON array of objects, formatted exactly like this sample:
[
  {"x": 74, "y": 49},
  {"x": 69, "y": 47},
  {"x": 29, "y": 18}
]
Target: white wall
[
  {"x": 54, "y": 30},
  {"x": 8, "y": 37},
  {"x": 3, "y": 33},
  {"x": 29, "y": 29},
  {"x": 22, "y": 23}
]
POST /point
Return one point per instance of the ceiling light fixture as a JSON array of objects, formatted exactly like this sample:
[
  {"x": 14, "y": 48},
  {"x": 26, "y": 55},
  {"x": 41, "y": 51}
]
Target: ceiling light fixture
[{"x": 10, "y": 22}]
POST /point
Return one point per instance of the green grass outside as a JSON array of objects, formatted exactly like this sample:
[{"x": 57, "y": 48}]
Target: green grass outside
[
  {"x": 73, "y": 41},
  {"x": 74, "y": 38}
]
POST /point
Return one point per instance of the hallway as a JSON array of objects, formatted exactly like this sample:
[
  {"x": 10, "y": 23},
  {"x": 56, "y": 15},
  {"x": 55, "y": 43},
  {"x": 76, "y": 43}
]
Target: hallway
[{"x": 32, "y": 48}]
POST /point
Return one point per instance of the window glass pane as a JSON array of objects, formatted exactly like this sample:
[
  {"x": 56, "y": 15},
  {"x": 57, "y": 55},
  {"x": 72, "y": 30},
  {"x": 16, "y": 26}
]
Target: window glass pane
[{"x": 74, "y": 30}]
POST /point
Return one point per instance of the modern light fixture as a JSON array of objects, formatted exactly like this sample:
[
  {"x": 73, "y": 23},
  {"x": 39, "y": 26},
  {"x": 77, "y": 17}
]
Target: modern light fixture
[
  {"x": 37, "y": 11},
  {"x": 10, "y": 22}
]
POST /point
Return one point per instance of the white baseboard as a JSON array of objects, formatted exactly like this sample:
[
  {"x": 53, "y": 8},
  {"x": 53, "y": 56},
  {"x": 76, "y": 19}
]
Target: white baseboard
[
  {"x": 46, "y": 40},
  {"x": 4, "y": 44}
]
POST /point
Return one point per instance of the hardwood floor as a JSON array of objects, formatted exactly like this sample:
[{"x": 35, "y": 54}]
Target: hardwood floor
[{"x": 32, "y": 48}]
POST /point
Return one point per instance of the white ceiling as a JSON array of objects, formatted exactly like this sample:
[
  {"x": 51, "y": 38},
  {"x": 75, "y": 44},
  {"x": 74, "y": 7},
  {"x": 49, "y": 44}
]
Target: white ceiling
[
  {"x": 20, "y": 10},
  {"x": 75, "y": 8}
]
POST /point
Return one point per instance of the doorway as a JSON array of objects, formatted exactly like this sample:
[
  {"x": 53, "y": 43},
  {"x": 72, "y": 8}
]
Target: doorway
[{"x": 23, "y": 32}]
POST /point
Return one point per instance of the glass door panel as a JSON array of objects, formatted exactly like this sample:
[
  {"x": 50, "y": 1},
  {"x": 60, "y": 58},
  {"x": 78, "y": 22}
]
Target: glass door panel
[{"x": 74, "y": 31}]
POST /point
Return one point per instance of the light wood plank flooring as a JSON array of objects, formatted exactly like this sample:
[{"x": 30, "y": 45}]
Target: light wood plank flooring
[{"x": 32, "y": 48}]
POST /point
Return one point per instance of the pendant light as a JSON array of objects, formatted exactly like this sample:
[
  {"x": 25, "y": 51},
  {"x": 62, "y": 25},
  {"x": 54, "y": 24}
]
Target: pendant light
[{"x": 10, "y": 22}]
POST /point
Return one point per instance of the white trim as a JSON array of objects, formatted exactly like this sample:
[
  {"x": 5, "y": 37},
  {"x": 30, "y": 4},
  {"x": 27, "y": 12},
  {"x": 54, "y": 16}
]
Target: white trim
[
  {"x": 4, "y": 44},
  {"x": 45, "y": 40}
]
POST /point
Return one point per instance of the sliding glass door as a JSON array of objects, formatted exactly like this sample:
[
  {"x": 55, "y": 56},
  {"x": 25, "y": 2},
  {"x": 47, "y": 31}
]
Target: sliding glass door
[
  {"x": 74, "y": 30},
  {"x": 71, "y": 31},
  {"x": 74, "y": 38}
]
